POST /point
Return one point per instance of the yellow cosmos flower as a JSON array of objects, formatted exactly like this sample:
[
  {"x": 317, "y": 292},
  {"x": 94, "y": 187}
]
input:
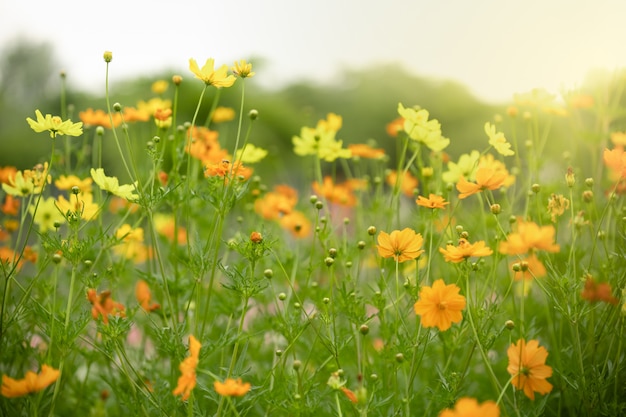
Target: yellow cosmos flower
[
  {"x": 402, "y": 245},
  {"x": 187, "y": 379},
  {"x": 55, "y": 125},
  {"x": 419, "y": 128},
  {"x": 250, "y": 154},
  {"x": 466, "y": 168},
  {"x": 66, "y": 182},
  {"x": 321, "y": 140},
  {"x": 217, "y": 78},
  {"x": 83, "y": 205},
  {"x": 31, "y": 382},
  {"x": 242, "y": 69},
  {"x": 159, "y": 87},
  {"x": 440, "y": 305},
  {"x": 527, "y": 366},
  {"x": 469, "y": 407},
  {"x": 112, "y": 185},
  {"x": 46, "y": 215},
  {"x": 232, "y": 387},
  {"x": 21, "y": 186},
  {"x": 223, "y": 114},
  {"x": 498, "y": 141}
]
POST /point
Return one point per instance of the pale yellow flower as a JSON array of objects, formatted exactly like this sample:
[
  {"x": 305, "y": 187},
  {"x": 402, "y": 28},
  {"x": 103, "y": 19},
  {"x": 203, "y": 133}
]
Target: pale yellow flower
[
  {"x": 250, "y": 154},
  {"x": 498, "y": 141},
  {"x": 242, "y": 69},
  {"x": 46, "y": 214},
  {"x": 111, "y": 184},
  {"x": 55, "y": 125},
  {"x": 419, "y": 128},
  {"x": 217, "y": 78}
]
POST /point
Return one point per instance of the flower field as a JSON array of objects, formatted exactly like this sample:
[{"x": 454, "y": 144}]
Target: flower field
[{"x": 419, "y": 282}]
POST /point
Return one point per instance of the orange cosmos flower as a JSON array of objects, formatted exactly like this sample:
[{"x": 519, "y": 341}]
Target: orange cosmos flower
[
  {"x": 527, "y": 366},
  {"x": 615, "y": 160},
  {"x": 187, "y": 379},
  {"x": 276, "y": 203},
  {"x": 395, "y": 126},
  {"x": 440, "y": 305},
  {"x": 232, "y": 387},
  {"x": 530, "y": 267},
  {"x": 91, "y": 117},
  {"x": 598, "y": 291},
  {"x": 401, "y": 245},
  {"x": 469, "y": 407},
  {"x": 529, "y": 237},
  {"x": 11, "y": 205},
  {"x": 297, "y": 224},
  {"x": 408, "y": 182},
  {"x": 31, "y": 382},
  {"x": 132, "y": 114},
  {"x": 223, "y": 169},
  {"x": 6, "y": 173},
  {"x": 335, "y": 193},
  {"x": 486, "y": 179},
  {"x": 104, "y": 305},
  {"x": 465, "y": 250},
  {"x": 144, "y": 296},
  {"x": 67, "y": 182},
  {"x": 366, "y": 151},
  {"x": 433, "y": 201}
]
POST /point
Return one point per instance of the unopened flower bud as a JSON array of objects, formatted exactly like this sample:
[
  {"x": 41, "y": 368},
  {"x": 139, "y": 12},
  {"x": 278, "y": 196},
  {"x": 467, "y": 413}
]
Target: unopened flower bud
[
  {"x": 535, "y": 188},
  {"x": 108, "y": 56},
  {"x": 268, "y": 273},
  {"x": 253, "y": 114},
  {"x": 282, "y": 296},
  {"x": 332, "y": 252},
  {"x": 570, "y": 179},
  {"x": 99, "y": 131},
  {"x": 177, "y": 79},
  {"x": 256, "y": 237},
  {"x": 75, "y": 190},
  {"x": 587, "y": 196},
  {"x": 360, "y": 244},
  {"x": 296, "y": 364},
  {"x": 495, "y": 209},
  {"x": 364, "y": 329},
  {"x": 319, "y": 205},
  {"x": 399, "y": 357},
  {"x": 371, "y": 230},
  {"x": 279, "y": 353},
  {"x": 57, "y": 258},
  {"x": 313, "y": 199},
  {"x": 509, "y": 324},
  {"x": 117, "y": 106},
  {"x": 329, "y": 261}
]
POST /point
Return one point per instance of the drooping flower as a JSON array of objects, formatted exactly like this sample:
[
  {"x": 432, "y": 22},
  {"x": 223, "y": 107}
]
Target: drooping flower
[
  {"x": 55, "y": 125},
  {"x": 46, "y": 215},
  {"x": 469, "y": 407},
  {"x": 187, "y": 379},
  {"x": 401, "y": 245},
  {"x": 144, "y": 296},
  {"x": 217, "y": 78},
  {"x": 31, "y": 382},
  {"x": 433, "y": 201},
  {"x": 557, "y": 204},
  {"x": 112, "y": 185},
  {"x": 104, "y": 306},
  {"x": 529, "y": 237},
  {"x": 440, "y": 305},
  {"x": 242, "y": 69},
  {"x": 465, "y": 250},
  {"x": 420, "y": 129},
  {"x": 527, "y": 366},
  {"x": 498, "y": 141},
  {"x": 232, "y": 387}
]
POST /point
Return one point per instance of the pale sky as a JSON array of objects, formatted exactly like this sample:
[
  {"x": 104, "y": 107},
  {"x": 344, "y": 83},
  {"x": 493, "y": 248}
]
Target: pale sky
[{"x": 495, "y": 47}]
